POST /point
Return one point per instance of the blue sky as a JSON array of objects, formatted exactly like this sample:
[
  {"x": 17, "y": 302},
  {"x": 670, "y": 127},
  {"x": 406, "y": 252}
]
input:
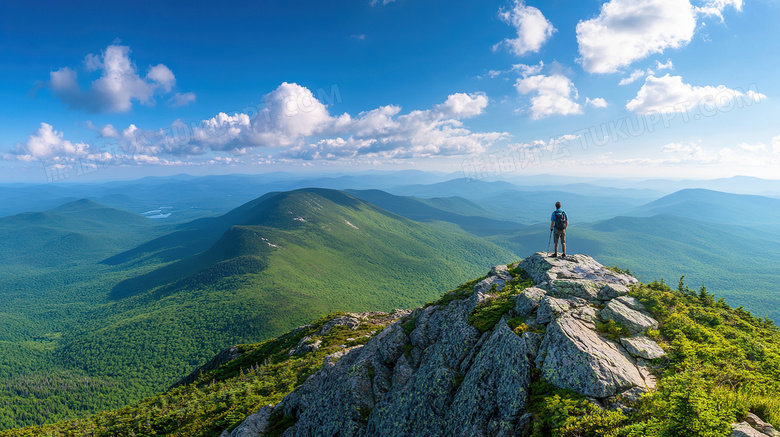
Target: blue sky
[{"x": 648, "y": 88}]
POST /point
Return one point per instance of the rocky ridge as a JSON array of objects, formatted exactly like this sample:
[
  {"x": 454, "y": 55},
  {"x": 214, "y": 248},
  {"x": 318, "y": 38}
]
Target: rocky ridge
[{"x": 433, "y": 373}]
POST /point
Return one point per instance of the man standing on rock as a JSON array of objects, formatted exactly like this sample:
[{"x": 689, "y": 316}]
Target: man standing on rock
[{"x": 558, "y": 224}]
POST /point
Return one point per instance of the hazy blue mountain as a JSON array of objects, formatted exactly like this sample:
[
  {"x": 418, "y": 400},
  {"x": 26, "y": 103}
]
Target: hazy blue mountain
[
  {"x": 715, "y": 206},
  {"x": 424, "y": 211},
  {"x": 529, "y": 205},
  {"x": 735, "y": 184},
  {"x": 740, "y": 263},
  {"x": 80, "y": 230},
  {"x": 190, "y": 197},
  {"x": 462, "y": 187}
]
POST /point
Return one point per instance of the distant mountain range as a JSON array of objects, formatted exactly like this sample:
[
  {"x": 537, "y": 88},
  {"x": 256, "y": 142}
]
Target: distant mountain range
[
  {"x": 715, "y": 206},
  {"x": 79, "y": 230},
  {"x": 119, "y": 305}
]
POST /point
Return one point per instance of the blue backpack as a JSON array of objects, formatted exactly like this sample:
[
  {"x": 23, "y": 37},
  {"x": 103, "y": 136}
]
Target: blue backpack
[{"x": 560, "y": 220}]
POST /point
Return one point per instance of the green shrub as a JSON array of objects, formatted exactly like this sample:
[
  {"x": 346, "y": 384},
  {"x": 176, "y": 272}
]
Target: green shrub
[{"x": 612, "y": 330}]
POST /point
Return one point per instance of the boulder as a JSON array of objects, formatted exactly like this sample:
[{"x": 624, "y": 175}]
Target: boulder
[
  {"x": 635, "y": 321},
  {"x": 743, "y": 429},
  {"x": 494, "y": 390},
  {"x": 498, "y": 276},
  {"x": 528, "y": 301},
  {"x": 584, "y": 289},
  {"x": 646, "y": 371},
  {"x": 351, "y": 321},
  {"x": 444, "y": 377},
  {"x": 544, "y": 269},
  {"x": 633, "y": 394},
  {"x": 338, "y": 398},
  {"x": 642, "y": 347},
  {"x": 575, "y": 357},
  {"x": 393, "y": 347},
  {"x": 611, "y": 291},
  {"x": 631, "y": 302},
  {"x": 552, "y": 307},
  {"x": 305, "y": 345},
  {"x": 254, "y": 425},
  {"x": 587, "y": 315},
  {"x": 762, "y": 426}
]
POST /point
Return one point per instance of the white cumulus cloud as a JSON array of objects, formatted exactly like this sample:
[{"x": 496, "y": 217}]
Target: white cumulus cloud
[
  {"x": 118, "y": 86},
  {"x": 296, "y": 122},
  {"x": 47, "y": 143},
  {"x": 629, "y": 30},
  {"x": 598, "y": 102},
  {"x": 554, "y": 94},
  {"x": 108, "y": 131},
  {"x": 533, "y": 29},
  {"x": 461, "y": 105},
  {"x": 669, "y": 94}
]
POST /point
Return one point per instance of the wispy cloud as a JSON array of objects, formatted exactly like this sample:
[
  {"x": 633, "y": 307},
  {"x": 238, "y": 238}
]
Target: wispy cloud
[{"x": 179, "y": 99}]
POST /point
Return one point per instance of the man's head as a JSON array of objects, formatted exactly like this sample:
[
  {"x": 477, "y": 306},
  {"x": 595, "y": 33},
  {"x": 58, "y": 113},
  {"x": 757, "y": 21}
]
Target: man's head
[{"x": 558, "y": 205}]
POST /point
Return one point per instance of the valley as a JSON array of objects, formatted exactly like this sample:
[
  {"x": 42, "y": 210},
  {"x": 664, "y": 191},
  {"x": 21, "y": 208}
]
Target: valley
[{"x": 116, "y": 306}]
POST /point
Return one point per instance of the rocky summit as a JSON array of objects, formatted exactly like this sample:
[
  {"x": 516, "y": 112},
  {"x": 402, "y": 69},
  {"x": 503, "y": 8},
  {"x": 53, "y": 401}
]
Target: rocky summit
[{"x": 436, "y": 372}]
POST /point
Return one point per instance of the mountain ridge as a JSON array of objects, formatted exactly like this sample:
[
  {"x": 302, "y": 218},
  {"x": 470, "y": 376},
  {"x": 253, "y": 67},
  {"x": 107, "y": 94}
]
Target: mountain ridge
[{"x": 539, "y": 347}]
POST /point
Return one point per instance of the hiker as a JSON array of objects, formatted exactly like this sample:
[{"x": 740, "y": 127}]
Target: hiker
[{"x": 558, "y": 224}]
